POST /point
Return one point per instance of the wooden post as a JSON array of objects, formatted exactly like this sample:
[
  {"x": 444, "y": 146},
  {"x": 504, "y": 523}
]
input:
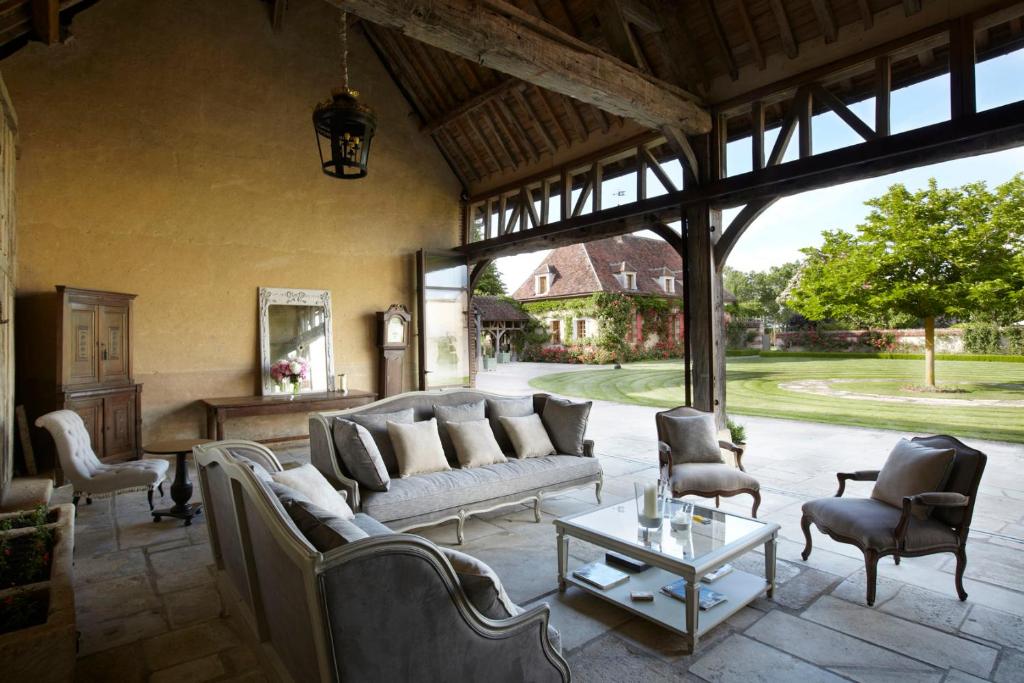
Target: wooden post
[{"x": 700, "y": 274}]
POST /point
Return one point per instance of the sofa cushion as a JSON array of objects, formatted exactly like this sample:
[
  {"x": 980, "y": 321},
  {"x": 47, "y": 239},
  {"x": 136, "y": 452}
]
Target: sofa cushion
[
  {"x": 418, "y": 447},
  {"x": 498, "y": 408},
  {"x": 528, "y": 436},
  {"x": 707, "y": 477},
  {"x": 475, "y": 444},
  {"x": 377, "y": 425},
  {"x": 371, "y": 526},
  {"x": 308, "y": 481},
  {"x": 872, "y": 524},
  {"x": 912, "y": 468},
  {"x": 693, "y": 438},
  {"x": 322, "y": 529},
  {"x": 481, "y": 585},
  {"x": 450, "y": 490},
  {"x": 566, "y": 422},
  {"x": 359, "y": 455},
  {"x": 460, "y": 412}
]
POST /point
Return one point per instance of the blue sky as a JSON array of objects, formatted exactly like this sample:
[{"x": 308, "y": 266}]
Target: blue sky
[{"x": 797, "y": 221}]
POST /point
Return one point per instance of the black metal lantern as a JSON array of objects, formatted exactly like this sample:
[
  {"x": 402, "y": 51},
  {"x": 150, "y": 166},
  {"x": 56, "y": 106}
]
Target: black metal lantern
[{"x": 344, "y": 127}]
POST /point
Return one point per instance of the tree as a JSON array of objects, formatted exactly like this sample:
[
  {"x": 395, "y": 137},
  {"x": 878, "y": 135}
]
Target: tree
[
  {"x": 759, "y": 293},
  {"x": 490, "y": 282},
  {"x": 928, "y": 253}
]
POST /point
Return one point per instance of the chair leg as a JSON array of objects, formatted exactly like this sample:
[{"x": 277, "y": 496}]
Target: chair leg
[
  {"x": 149, "y": 497},
  {"x": 718, "y": 500},
  {"x": 961, "y": 565},
  {"x": 896, "y": 559},
  {"x": 597, "y": 489},
  {"x": 160, "y": 488},
  {"x": 88, "y": 500},
  {"x": 805, "y": 524},
  {"x": 536, "y": 509},
  {"x": 460, "y": 528},
  {"x": 75, "y": 498},
  {"x": 871, "y": 567},
  {"x": 757, "y": 503}
]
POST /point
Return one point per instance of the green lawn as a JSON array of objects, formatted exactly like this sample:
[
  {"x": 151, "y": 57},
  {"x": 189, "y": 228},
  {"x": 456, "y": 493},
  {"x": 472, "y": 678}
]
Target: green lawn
[{"x": 753, "y": 389}]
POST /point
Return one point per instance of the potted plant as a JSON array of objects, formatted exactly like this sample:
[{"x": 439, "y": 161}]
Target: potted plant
[
  {"x": 504, "y": 356},
  {"x": 737, "y": 433},
  {"x": 490, "y": 362},
  {"x": 37, "y": 599}
]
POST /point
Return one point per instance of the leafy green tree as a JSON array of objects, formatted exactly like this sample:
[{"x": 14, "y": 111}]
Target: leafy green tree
[
  {"x": 490, "y": 282},
  {"x": 934, "y": 252},
  {"x": 759, "y": 293}
]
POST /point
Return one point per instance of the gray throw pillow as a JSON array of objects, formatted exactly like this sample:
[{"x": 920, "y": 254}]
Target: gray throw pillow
[
  {"x": 910, "y": 469},
  {"x": 359, "y": 455},
  {"x": 528, "y": 436},
  {"x": 377, "y": 425},
  {"x": 482, "y": 586},
  {"x": 566, "y": 423},
  {"x": 322, "y": 529},
  {"x": 693, "y": 438},
  {"x": 498, "y": 408},
  {"x": 460, "y": 412},
  {"x": 475, "y": 444}
]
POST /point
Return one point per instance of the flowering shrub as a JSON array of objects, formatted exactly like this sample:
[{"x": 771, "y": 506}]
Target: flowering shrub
[{"x": 589, "y": 354}]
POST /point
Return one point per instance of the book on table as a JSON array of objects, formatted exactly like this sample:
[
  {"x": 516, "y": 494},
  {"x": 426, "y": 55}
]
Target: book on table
[
  {"x": 711, "y": 577},
  {"x": 600, "y": 575},
  {"x": 708, "y": 597}
]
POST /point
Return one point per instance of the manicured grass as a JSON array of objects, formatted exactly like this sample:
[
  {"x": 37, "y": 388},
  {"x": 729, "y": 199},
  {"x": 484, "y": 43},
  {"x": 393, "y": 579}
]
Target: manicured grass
[{"x": 753, "y": 389}]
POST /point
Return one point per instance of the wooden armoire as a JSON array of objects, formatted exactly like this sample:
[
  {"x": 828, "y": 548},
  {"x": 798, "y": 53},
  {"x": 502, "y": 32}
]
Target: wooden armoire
[{"x": 73, "y": 350}]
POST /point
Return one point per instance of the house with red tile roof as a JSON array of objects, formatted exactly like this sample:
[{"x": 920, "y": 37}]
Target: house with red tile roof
[{"x": 630, "y": 265}]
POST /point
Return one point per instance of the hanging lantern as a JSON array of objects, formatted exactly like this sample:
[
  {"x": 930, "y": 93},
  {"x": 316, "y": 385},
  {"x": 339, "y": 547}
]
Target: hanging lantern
[{"x": 344, "y": 127}]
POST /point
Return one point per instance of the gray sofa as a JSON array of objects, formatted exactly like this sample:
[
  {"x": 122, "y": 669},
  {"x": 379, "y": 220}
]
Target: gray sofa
[
  {"x": 427, "y": 499},
  {"x": 381, "y": 607}
]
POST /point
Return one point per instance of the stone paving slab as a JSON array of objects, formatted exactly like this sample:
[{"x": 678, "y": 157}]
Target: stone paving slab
[{"x": 742, "y": 660}]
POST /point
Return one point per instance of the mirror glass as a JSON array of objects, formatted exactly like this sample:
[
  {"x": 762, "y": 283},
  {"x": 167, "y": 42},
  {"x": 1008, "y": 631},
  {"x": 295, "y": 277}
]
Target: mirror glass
[
  {"x": 296, "y": 340},
  {"x": 298, "y": 333}
]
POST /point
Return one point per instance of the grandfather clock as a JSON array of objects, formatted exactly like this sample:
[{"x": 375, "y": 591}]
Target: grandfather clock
[{"x": 393, "y": 340}]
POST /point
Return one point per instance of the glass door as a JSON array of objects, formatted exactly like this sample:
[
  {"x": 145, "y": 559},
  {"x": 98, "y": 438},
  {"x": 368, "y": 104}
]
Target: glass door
[{"x": 443, "y": 283}]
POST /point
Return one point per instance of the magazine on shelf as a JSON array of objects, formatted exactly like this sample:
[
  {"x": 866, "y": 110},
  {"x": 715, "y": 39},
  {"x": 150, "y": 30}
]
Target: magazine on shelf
[
  {"x": 708, "y": 597},
  {"x": 717, "y": 574},
  {"x": 600, "y": 575}
]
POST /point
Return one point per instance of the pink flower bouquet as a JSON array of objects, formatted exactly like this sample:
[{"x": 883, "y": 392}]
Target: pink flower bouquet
[{"x": 290, "y": 370}]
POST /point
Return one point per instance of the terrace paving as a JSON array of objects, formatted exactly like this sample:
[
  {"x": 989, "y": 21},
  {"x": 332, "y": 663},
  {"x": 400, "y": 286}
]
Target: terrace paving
[{"x": 148, "y": 609}]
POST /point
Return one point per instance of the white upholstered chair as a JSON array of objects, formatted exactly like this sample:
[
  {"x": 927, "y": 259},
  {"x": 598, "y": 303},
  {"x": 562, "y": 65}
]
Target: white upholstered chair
[{"x": 87, "y": 474}]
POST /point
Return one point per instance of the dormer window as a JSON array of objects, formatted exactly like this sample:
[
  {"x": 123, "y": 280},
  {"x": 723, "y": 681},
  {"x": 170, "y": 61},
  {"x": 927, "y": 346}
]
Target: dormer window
[
  {"x": 629, "y": 280},
  {"x": 668, "y": 284},
  {"x": 541, "y": 284}
]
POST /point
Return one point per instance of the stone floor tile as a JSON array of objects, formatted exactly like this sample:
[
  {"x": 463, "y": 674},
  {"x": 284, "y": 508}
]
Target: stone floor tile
[
  {"x": 802, "y": 590},
  {"x": 187, "y": 578},
  {"x": 979, "y": 592},
  {"x": 837, "y": 652},
  {"x": 666, "y": 645},
  {"x": 744, "y": 660},
  {"x": 194, "y": 671},
  {"x": 955, "y": 676},
  {"x": 192, "y": 605},
  {"x": 446, "y": 534},
  {"x": 745, "y": 618},
  {"x": 854, "y": 589},
  {"x": 120, "y": 631},
  {"x": 996, "y": 564},
  {"x": 563, "y": 506},
  {"x": 108, "y": 566},
  {"x": 580, "y": 617},
  {"x": 145, "y": 533},
  {"x": 181, "y": 559},
  {"x": 117, "y": 597},
  {"x": 1011, "y": 667},
  {"x": 927, "y": 644},
  {"x": 193, "y": 642},
  {"x": 92, "y": 543},
  {"x": 121, "y": 664},
  {"x": 239, "y": 659},
  {"x": 610, "y": 660},
  {"x": 993, "y": 625},
  {"x": 942, "y": 611},
  {"x": 820, "y": 559}
]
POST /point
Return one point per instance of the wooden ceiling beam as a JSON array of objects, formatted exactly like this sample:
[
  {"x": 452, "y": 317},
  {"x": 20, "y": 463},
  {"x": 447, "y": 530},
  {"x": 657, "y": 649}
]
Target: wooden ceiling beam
[
  {"x": 472, "y": 103},
  {"x": 720, "y": 40},
  {"x": 500, "y": 36},
  {"x": 911, "y": 7},
  {"x": 545, "y": 134},
  {"x": 277, "y": 14},
  {"x": 546, "y": 105},
  {"x": 46, "y": 20},
  {"x": 619, "y": 34},
  {"x": 826, "y": 19},
  {"x": 667, "y": 13},
  {"x": 866, "y": 15},
  {"x": 748, "y": 29},
  {"x": 789, "y": 43},
  {"x": 518, "y": 126}
]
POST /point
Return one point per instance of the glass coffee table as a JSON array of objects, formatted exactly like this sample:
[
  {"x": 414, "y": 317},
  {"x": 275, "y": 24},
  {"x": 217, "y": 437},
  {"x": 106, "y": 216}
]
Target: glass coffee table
[{"x": 672, "y": 555}]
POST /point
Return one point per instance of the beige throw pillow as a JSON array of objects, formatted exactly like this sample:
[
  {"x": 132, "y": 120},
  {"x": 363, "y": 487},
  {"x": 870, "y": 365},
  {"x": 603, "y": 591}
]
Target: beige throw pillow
[
  {"x": 528, "y": 436},
  {"x": 693, "y": 438},
  {"x": 417, "y": 447},
  {"x": 910, "y": 469},
  {"x": 308, "y": 481},
  {"x": 474, "y": 443}
]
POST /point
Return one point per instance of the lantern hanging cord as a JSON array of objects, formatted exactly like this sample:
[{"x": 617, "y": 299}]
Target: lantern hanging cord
[{"x": 343, "y": 34}]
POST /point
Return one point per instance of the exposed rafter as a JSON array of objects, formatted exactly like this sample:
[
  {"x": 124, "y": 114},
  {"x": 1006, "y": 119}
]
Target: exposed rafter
[
  {"x": 277, "y": 14},
  {"x": 748, "y": 29},
  {"x": 789, "y": 43},
  {"x": 46, "y": 20},
  {"x": 469, "y": 105},
  {"x": 867, "y": 17},
  {"x": 720, "y": 39},
  {"x": 498, "y": 35},
  {"x": 619, "y": 33},
  {"x": 826, "y": 19}
]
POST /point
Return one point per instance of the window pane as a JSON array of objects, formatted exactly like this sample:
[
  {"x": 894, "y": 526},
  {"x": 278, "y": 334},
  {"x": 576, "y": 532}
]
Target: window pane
[{"x": 447, "y": 339}]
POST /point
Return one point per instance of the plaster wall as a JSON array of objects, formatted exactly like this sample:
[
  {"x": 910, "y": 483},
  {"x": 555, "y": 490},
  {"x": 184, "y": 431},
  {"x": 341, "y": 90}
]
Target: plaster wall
[{"x": 166, "y": 150}]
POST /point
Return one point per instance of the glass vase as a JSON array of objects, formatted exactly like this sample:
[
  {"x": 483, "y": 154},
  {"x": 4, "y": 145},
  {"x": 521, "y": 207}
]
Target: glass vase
[{"x": 649, "y": 505}]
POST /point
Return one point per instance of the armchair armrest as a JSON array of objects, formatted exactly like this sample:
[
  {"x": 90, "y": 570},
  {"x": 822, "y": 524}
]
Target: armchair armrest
[
  {"x": 735, "y": 450},
  {"x": 588, "y": 448},
  {"x": 664, "y": 455},
  {"x": 931, "y": 498},
  {"x": 859, "y": 475}
]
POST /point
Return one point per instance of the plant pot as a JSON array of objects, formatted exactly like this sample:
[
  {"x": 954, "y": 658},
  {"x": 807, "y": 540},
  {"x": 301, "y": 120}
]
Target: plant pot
[
  {"x": 43, "y": 648},
  {"x": 490, "y": 362},
  {"x": 504, "y": 357}
]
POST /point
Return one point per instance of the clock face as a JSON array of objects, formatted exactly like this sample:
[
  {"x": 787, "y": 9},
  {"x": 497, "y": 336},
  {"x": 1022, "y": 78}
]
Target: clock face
[{"x": 395, "y": 331}]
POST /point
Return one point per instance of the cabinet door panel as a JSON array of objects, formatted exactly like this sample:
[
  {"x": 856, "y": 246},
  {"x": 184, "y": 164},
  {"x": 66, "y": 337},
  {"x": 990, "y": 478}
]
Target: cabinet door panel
[
  {"x": 114, "y": 352},
  {"x": 119, "y": 425},
  {"x": 91, "y": 412},
  {"x": 80, "y": 350}
]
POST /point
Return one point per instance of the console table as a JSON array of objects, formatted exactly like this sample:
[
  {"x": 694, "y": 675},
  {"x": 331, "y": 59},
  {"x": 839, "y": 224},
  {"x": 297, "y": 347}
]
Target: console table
[{"x": 219, "y": 410}]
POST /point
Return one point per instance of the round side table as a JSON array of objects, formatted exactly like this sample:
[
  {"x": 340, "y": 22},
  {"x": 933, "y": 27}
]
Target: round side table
[{"x": 181, "y": 489}]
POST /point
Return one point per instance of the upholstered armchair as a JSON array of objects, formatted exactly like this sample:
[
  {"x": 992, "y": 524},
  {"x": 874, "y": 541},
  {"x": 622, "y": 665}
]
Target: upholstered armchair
[
  {"x": 880, "y": 529},
  {"x": 706, "y": 479},
  {"x": 87, "y": 474}
]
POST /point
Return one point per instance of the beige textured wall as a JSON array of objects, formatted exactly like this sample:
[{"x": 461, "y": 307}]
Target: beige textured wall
[{"x": 167, "y": 150}]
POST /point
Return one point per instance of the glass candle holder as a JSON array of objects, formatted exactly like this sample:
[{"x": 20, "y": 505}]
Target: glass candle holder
[{"x": 648, "y": 505}]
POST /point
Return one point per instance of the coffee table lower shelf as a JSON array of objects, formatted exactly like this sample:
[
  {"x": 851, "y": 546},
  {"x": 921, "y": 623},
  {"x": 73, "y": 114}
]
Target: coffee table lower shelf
[{"x": 738, "y": 586}]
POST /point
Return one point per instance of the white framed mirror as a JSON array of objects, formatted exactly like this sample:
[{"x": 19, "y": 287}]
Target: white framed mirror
[{"x": 295, "y": 331}]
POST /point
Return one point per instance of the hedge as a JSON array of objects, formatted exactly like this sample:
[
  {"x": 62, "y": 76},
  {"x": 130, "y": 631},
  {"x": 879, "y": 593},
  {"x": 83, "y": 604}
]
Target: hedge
[{"x": 985, "y": 358}]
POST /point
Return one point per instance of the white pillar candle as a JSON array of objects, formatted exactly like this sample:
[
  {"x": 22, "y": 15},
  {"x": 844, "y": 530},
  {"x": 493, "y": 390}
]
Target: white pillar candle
[{"x": 651, "y": 500}]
